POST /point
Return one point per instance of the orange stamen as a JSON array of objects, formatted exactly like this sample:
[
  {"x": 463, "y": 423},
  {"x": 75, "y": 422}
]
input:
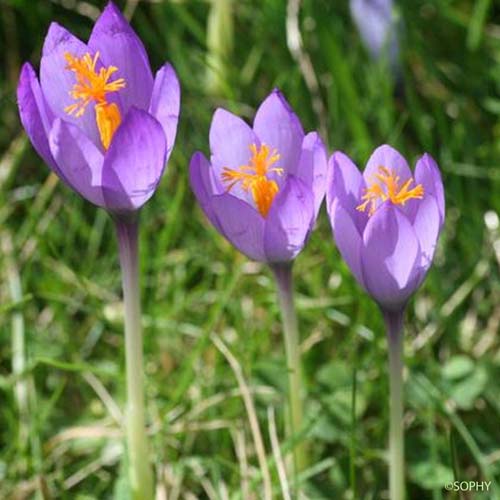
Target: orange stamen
[
  {"x": 253, "y": 177},
  {"x": 386, "y": 187},
  {"x": 108, "y": 119},
  {"x": 92, "y": 86}
]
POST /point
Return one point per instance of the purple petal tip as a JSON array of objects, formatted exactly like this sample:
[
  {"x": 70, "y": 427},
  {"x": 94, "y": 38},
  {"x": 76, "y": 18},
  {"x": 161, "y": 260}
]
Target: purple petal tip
[
  {"x": 112, "y": 8},
  {"x": 56, "y": 35},
  {"x": 27, "y": 72},
  {"x": 279, "y": 94}
]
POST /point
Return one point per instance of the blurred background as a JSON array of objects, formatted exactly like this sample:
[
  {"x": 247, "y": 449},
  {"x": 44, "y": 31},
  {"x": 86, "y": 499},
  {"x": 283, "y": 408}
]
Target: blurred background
[{"x": 434, "y": 86}]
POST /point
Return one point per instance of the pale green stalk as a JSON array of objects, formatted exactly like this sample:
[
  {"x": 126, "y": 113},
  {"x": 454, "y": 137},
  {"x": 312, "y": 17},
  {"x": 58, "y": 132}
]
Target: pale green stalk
[
  {"x": 18, "y": 341},
  {"x": 296, "y": 393},
  {"x": 394, "y": 326},
  {"x": 220, "y": 41},
  {"x": 140, "y": 472}
]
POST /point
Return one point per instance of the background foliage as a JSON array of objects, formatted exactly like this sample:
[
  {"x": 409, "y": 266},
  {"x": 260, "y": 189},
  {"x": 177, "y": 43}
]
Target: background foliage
[{"x": 60, "y": 288}]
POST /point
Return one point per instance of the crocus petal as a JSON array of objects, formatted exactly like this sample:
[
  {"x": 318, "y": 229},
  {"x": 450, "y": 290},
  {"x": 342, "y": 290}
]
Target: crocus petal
[
  {"x": 386, "y": 156},
  {"x": 57, "y": 81},
  {"x": 312, "y": 167},
  {"x": 79, "y": 160},
  {"x": 230, "y": 141},
  {"x": 277, "y": 126},
  {"x": 390, "y": 257},
  {"x": 165, "y": 103},
  {"x": 36, "y": 116},
  {"x": 347, "y": 238},
  {"x": 346, "y": 184},
  {"x": 427, "y": 173},
  {"x": 289, "y": 221},
  {"x": 204, "y": 186},
  {"x": 427, "y": 226},
  {"x": 241, "y": 224},
  {"x": 134, "y": 163},
  {"x": 377, "y": 26},
  {"x": 119, "y": 46}
]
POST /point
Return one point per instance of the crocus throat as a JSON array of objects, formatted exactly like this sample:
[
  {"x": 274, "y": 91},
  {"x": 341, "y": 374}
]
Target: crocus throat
[
  {"x": 253, "y": 177},
  {"x": 93, "y": 86},
  {"x": 387, "y": 187}
]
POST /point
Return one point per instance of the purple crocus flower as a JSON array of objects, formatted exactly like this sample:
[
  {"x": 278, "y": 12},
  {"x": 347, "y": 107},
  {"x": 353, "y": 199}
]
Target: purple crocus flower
[
  {"x": 376, "y": 23},
  {"x": 106, "y": 127},
  {"x": 263, "y": 186},
  {"x": 386, "y": 224},
  {"x": 262, "y": 189},
  {"x": 97, "y": 116}
]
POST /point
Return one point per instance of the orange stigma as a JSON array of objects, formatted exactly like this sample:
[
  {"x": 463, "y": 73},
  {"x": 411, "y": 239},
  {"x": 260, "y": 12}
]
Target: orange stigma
[
  {"x": 92, "y": 86},
  {"x": 253, "y": 177},
  {"x": 386, "y": 187}
]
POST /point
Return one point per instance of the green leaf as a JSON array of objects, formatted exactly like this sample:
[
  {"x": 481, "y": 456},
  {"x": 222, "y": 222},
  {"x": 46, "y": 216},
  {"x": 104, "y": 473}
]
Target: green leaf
[
  {"x": 469, "y": 389},
  {"x": 122, "y": 488},
  {"x": 458, "y": 367},
  {"x": 431, "y": 475},
  {"x": 335, "y": 374},
  {"x": 476, "y": 24}
]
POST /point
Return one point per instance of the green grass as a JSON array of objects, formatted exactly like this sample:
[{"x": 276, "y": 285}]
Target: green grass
[{"x": 60, "y": 283}]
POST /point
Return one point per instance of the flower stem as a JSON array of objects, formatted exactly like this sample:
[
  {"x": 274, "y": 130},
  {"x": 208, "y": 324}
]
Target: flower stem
[
  {"x": 140, "y": 473},
  {"x": 21, "y": 387},
  {"x": 394, "y": 326},
  {"x": 283, "y": 275}
]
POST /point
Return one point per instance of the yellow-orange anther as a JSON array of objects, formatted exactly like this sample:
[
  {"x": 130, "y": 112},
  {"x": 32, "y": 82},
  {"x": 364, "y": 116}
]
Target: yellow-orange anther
[
  {"x": 253, "y": 177},
  {"x": 386, "y": 187},
  {"x": 108, "y": 118},
  {"x": 93, "y": 86}
]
